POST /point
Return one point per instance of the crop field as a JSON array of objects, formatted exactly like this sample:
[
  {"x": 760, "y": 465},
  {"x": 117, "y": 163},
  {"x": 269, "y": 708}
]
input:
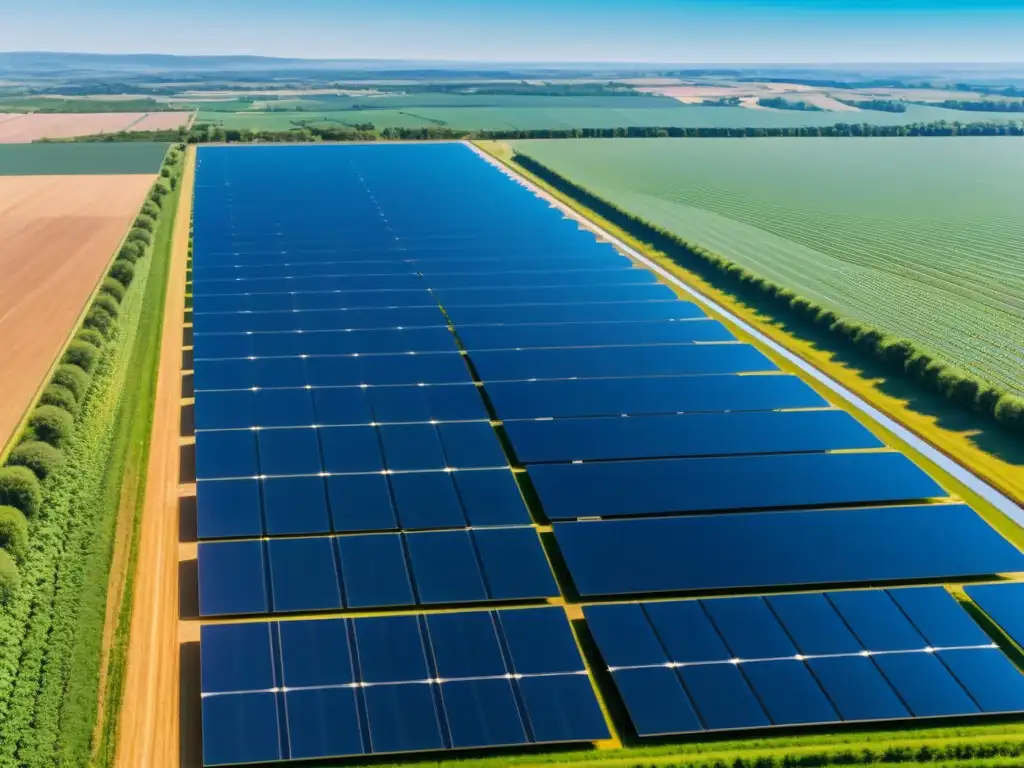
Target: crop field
[
  {"x": 24, "y": 128},
  {"x": 68, "y": 159},
  {"x": 528, "y": 113},
  {"x": 919, "y": 238},
  {"x": 59, "y": 234}
]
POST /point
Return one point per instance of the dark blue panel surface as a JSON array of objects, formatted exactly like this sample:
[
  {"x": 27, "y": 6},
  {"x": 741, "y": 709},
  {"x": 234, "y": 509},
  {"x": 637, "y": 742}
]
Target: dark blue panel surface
[
  {"x": 480, "y": 337},
  {"x": 465, "y": 644},
  {"x": 482, "y": 713},
  {"x": 315, "y": 653},
  {"x": 236, "y": 657},
  {"x": 232, "y": 579},
  {"x": 596, "y": 362},
  {"x": 391, "y": 649},
  {"x": 540, "y": 641},
  {"x": 342, "y": 405},
  {"x": 323, "y": 722},
  {"x": 350, "y": 449},
  {"x": 656, "y": 701},
  {"x": 289, "y": 452},
  {"x": 990, "y": 678},
  {"x": 232, "y": 409},
  {"x": 471, "y": 444},
  {"x": 303, "y": 575},
  {"x": 938, "y": 617},
  {"x": 571, "y": 294},
  {"x": 814, "y": 625},
  {"x": 284, "y": 408},
  {"x": 686, "y": 632},
  {"x": 242, "y": 728},
  {"x": 877, "y": 621},
  {"x": 925, "y": 685},
  {"x": 692, "y": 485},
  {"x": 789, "y": 693},
  {"x": 360, "y": 503},
  {"x": 514, "y": 564},
  {"x": 1004, "y": 604},
  {"x": 373, "y": 571},
  {"x": 772, "y": 549},
  {"x": 563, "y": 708},
  {"x": 857, "y": 689},
  {"x": 722, "y": 697},
  {"x": 426, "y": 500},
  {"x": 749, "y": 628},
  {"x": 491, "y": 497},
  {"x": 402, "y": 718},
  {"x": 669, "y": 394},
  {"x": 411, "y": 446},
  {"x": 226, "y": 454},
  {"x": 445, "y": 567},
  {"x": 623, "y": 635},
  {"x": 701, "y": 434},
  {"x": 295, "y": 505},
  {"x": 574, "y": 313},
  {"x": 228, "y": 509}
]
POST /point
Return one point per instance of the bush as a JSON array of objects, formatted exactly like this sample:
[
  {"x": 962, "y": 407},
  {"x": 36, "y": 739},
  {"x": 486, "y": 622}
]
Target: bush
[
  {"x": 100, "y": 320},
  {"x": 145, "y": 222},
  {"x": 139, "y": 236},
  {"x": 19, "y": 488},
  {"x": 90, "y": 336},
  {"x": 41, "y": 458},
  {"x": 72, "y": 378},
  {"x": 108, "y": 303},
  {"x": 1010, "y": 412},
  {"x": 112, "y": 287},
  {"x": 9, "y": 578},
  {"x": 151, "y": 209},
  {"x": 82, "y": 354},
  {"x": 13, "y": 533},
  {"x": 123, "y": 271},
  {"x": 132, "y": 251},
  {"x": 51, "y": 424},
  {"x": 62, "y": 397}
]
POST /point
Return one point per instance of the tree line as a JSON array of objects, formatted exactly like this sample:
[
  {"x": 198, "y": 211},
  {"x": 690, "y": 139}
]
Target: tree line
[
  {"x": 778, "y": 102},
  {"x": 875, "y": 105},
  {"x": 901, "y": 356},
  {"x": 985, "y": 105}
]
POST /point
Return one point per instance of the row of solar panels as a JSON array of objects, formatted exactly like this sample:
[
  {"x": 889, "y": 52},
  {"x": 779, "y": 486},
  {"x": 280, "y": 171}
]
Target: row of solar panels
[{"x": 332, "y": 688}]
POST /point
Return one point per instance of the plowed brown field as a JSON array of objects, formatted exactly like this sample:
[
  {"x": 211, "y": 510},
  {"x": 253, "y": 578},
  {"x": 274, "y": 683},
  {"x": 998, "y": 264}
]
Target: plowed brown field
[
  {"x": 57, "y": 235},
  {"x": 20, "y": 129}
]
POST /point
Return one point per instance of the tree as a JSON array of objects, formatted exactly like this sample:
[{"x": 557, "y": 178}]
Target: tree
[
  {"x": 73, "y": 378},
  {"x": 13, "y": 533},
  {"x": 19, "y": 488},
  {"x": 62, "y": 397},
  {"x": 99, "y": 320},
  {"x": 51, "y": 424},
  {"x": 42, "y": 458},
  {"x": 123, "y": 271},
  {"x": 113, "y": 288}
]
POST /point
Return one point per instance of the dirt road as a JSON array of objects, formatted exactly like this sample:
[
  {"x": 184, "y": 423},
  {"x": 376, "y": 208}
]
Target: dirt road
[
  {"x": 148, "y": 735},
  {"x": 59, "y": 233}
]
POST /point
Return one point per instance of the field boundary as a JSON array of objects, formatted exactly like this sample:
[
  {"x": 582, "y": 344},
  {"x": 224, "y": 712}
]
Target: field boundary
[
  {"x": 9, "y": 444},
  {"x": 992, "y": 495}
]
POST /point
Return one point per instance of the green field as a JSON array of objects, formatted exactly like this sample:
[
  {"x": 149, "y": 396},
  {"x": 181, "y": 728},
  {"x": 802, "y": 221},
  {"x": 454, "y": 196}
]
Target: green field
[
  {"x": 539, "y": 112},
  {"x": 72, "y": 159},
  {"x": 922, "y": 238}
]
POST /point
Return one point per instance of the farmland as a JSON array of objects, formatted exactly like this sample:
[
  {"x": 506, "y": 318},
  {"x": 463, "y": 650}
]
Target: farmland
[
  {"x": 22, "y": 128},
  {"x": 920, "y": 239}
]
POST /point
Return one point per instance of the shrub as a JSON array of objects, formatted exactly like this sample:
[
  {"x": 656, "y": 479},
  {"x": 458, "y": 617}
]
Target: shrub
[
  {"x": 896, "y": 352},
  {"x": 123, "y": 271},
  {"x": 151, "y": 209},
  {"x": 62, "y": 397},
  {"x": 9, "y": 578},
  {"x": 145, "y": 222},
  {"x": 165, "y": 172},
  {"x": 132, "y": 251},
  {"x": 73, "y": 378},
  {"x": 41, "y": 458},
  {"x": 988, "y": 399},
  {"x": 1010, "y": 412},
  {"x": 51, "y": 424},
  {"x": 90, "y": 336},
  {"x": 112, "y": 287},
  {"x": 82, "y": 354},
  {"x": 19, "y": 488},
  {"x": 100, "y": 320},
  {"x": 139, "y": 236},
  {"x": 108, "y": 303},
  {"x": 13, "y": 532}
]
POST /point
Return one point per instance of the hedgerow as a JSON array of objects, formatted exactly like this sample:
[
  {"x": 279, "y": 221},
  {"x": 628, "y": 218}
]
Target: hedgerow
[
  {"x": 51, "y": 424},
  {"x": 42, "y": 458},
  {"x": 62, "y": 397},
  {"x": 89, "y": 336},
  {"x": 100, "y": 320},
  {"x": 51, "y": 626},
  {"x": 123, "y": 271},
  {"x": 902, "y": 356},
  {"x": 13, "y": 532},
  {"x": 10, "y": 579},
  {"x": 139, "y": 236},
  {"x": 83, "y": 354},
  {"x": 132, "y": 251},
  {"x": 19, "y": 488},
  {"x": 109, "y": 304}
]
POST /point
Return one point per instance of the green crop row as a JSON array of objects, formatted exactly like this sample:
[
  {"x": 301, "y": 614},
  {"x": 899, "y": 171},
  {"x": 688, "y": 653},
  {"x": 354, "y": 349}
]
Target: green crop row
[
  {"x": 61, "y": 488},
  {"x": 899, "y": 355}
]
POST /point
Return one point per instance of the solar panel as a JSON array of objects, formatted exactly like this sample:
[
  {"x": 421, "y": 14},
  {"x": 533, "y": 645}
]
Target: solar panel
[
  {"x": 575, "y": 398},
  {"x": 292, "y": 344},
  {"x": 698, "y": 434},
  {"x": 604, "y": 312},
  {"x": 569, "y": 491},
  {"x": 1004, "y": 604},
  {"x": 327, "y": 573},
  {"x": 484, "y": 337},
  {"x": 410, "y": 683},
  {"x": 684, "y": 666},
  {"x": 782, "y": 548}
]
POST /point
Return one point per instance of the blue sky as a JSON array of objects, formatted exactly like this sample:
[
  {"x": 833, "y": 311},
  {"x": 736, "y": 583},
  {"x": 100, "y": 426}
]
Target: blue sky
[{"x": 685, "y": 31}]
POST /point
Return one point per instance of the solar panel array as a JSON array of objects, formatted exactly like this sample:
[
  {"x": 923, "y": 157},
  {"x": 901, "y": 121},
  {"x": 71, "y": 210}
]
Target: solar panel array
[
  {"x": 396, "y": 347},
  {"x": 752, "y": 662}
]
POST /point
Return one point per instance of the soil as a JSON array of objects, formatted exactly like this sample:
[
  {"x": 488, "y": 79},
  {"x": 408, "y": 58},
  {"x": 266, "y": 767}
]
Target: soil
[
  {"x": 59, "y": 233},
  {"x": 28, "y": 128},
  {"x": 149, "y": 732}
]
